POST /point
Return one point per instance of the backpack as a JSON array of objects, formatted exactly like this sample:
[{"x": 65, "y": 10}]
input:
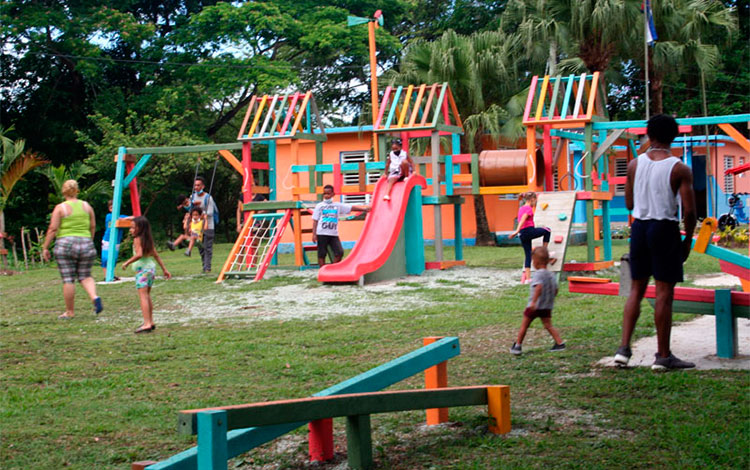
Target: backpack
[
  {"x": 216, "y": 208},
  {"x": 216, "y": 212}
]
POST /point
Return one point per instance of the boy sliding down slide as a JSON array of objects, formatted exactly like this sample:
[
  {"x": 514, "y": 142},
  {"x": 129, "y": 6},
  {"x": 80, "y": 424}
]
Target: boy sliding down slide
[{"x": 400, "y": 167}]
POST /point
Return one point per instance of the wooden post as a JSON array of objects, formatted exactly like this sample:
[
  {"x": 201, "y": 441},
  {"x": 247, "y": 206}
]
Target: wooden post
[
  {"x": 458, "y": 235},
  {"x": 588, "y": 153},
  {"x": 498, "y": 408},
  {"x": 23, "y": 247},
  {"x": 371, "y": 25},
  {"x": 436, "y": 377},
  {"x": 359, "y": 442},
  {"x": 135, "y": 199},
  {"x": 437, "y": 208},
  {"x": 212, "y": 440},
  {"x": 320, "y": 440},
  {"x": 726, "y": 324}
]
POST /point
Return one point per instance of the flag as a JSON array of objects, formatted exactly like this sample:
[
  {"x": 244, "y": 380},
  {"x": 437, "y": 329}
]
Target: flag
[{"x": 651, "y": 35}]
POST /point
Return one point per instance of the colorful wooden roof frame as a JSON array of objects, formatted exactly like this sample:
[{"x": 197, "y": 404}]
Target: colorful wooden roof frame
[
  {"x": 565, "y": 102},
  {"x": 287, "y": 116},
  {"x": 418, "y": 108}
]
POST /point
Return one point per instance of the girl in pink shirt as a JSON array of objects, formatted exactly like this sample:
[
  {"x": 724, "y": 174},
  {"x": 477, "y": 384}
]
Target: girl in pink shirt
[{"x": 527, "y": 231}]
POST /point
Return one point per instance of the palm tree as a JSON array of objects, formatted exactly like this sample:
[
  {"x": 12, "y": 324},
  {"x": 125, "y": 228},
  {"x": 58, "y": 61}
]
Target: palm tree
[
  {"x": 683, "y": 25},
  {"x": 540, "y": 32},
  {"x": 480, "y": 69},
  {"x": 598, "y": 30},
  {"x": 57, "y": 175},
  {"x": 15, "y": 163}
]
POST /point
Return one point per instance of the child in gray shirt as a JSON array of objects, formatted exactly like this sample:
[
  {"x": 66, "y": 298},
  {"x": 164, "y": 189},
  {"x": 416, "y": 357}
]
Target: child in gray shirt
[{"x": 542, "y": 294}]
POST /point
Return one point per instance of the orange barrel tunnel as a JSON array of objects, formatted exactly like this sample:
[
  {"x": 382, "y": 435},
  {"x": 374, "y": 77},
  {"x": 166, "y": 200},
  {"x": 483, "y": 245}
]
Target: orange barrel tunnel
[{"x": 509, "y": 168}]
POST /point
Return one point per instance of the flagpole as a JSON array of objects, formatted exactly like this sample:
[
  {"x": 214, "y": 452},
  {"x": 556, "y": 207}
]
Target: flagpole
[{"x": 645, "y": 55}]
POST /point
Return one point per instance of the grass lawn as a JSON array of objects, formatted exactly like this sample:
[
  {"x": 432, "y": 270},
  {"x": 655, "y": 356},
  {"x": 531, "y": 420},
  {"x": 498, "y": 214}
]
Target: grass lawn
[{"x": 88, "y": 393}]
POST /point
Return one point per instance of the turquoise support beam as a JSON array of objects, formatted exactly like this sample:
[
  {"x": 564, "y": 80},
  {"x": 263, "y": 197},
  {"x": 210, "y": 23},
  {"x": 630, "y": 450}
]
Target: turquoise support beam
[
  {"x": 449, "y": 175},
  {"x": 695, "y": 121},
  {"x": 566, "y": 100},
  {"x": 394, "y": 105},
  {"x": 458, "y": 236},
  {"x": 726, "y": 324},
  {"x": 414, "y": 237},
  {"x": 116, "y": 210},
  {"x": 240, "y": 441},
  {"x": 136, "y": 169},
  {"x": 212, "y": 440}
]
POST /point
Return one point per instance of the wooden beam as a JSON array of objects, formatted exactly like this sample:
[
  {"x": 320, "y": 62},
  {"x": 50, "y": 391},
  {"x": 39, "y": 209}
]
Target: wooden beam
[
  {"x": 354, "y": 404},
  {"x": 735, "y": 134}
]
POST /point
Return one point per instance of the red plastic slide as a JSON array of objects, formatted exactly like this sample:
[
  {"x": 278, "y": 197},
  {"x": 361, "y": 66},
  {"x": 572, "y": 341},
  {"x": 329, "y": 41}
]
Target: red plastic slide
[{"x": 379, "y": 235}]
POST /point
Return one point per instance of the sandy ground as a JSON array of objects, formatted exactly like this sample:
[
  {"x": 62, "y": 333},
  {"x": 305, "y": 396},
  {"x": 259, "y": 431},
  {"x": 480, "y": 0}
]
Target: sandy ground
[
  {"x": 308, "y": 299},
  {"x": 694, "y": 341}
]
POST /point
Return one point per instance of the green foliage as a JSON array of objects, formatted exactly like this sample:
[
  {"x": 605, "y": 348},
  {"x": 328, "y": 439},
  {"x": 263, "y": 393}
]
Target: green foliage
[
  {"x": 57, "y": 175},
  {"x": 737, "y": 237}
]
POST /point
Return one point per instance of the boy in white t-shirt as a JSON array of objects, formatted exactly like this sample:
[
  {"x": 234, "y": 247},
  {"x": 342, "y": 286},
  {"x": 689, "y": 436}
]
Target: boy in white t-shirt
[
  {"x": 326, "y": 225},
  {"x": 401, "y": 166}
]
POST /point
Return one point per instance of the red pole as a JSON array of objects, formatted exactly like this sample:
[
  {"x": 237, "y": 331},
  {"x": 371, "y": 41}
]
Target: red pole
[
  {"x": 135, "y": 199},
  {"x": 320, "y": 441}
]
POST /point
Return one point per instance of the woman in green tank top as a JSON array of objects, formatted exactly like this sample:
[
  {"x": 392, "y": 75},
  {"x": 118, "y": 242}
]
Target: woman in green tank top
[{"x": 73, "y": 225}]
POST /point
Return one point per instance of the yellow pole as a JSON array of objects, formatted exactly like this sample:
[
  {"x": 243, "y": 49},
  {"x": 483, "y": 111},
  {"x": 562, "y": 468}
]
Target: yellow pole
[{"x": 373, "y": 84}]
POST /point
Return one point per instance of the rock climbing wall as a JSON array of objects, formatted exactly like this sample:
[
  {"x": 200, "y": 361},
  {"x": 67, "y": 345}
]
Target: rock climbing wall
[{"x": 555, "y": 211}]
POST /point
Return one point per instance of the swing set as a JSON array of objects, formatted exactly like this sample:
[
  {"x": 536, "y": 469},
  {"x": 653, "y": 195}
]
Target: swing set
[{"x": 130, "y": 161}]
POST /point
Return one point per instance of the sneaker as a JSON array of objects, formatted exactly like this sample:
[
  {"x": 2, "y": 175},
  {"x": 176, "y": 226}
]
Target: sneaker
[
  {"x": 558, "y": 347},
  {"x": 187, "y": 253},
  {"x": 622, "y": 356},
  {"x": 98, "y": 305},
  {"x": 170, "y": 245},
  {"x": 515, "y": 349},
  {"x": 670, "y": 362}
]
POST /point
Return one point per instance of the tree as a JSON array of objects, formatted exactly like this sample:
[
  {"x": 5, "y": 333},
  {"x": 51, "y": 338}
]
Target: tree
[
  {"x": 15, "y": 163},
  {"x": 684, "y": 28},
  {"x": 540, "y": 32},
  {"x": 57, "y": 175},
  {"x": 479, "y": 69}
]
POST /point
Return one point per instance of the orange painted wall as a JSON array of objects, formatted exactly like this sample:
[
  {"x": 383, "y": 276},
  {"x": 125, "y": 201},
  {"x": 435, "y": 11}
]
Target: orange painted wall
[{"x": 500, "y": 213}]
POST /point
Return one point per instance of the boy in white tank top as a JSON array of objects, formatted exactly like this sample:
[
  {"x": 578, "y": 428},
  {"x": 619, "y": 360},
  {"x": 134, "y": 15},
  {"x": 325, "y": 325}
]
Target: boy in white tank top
[{"x": 656, "y": 182}]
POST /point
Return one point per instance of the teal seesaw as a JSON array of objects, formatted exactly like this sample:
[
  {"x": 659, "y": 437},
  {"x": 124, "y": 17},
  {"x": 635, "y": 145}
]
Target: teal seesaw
[{"x": 224, "y": 437}]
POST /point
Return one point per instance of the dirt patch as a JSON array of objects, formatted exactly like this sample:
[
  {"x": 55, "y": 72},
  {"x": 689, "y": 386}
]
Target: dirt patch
[{"x": 305, "y": 298}]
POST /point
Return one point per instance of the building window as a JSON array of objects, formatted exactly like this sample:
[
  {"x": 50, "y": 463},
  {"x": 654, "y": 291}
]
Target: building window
[
  {"x": 728, "y": 179},
  {"x": 352, "y": 179},
  {"x": 621, "y": 169},
  {"x": 741, "y": 162}
]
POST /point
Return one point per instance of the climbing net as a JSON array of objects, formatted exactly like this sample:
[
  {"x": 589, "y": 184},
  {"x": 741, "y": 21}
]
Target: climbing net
[{"x": 255, "y": 244}]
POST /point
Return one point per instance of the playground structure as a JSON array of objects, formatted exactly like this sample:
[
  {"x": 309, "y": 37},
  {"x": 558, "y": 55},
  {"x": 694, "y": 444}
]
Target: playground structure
[
  {"x": 567, "y": 114},
  {"x": 724, "y": 304},
  {"x": 414, "y": 112},
  {"x": 227, "y": 432}
]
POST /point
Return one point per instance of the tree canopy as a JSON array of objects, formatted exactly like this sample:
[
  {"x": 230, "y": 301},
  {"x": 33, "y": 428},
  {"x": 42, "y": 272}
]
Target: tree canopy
[{"x": 78, "y": 78}]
